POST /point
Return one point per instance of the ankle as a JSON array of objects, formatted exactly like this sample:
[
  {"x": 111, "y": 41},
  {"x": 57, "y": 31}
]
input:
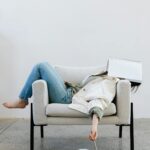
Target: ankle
[{"x": 22, "y": 101}]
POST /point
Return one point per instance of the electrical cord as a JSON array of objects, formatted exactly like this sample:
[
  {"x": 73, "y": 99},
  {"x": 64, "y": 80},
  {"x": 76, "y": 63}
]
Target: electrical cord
[{"x": 95, "y": 145}]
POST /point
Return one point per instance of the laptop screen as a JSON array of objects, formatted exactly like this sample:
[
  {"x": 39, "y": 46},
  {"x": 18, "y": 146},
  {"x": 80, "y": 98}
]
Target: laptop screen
[{"x": 127, "y": 69}]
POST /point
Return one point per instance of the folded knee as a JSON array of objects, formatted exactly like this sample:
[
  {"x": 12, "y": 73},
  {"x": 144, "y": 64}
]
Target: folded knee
[{"x": 41, "y": 64}]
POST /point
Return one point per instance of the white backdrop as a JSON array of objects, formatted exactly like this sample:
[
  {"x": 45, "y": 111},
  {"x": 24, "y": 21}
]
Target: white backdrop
[{"x": 73, "y": 33}]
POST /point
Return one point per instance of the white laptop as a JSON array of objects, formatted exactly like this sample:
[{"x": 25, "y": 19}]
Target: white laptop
[{"x": 127, "y": 69}]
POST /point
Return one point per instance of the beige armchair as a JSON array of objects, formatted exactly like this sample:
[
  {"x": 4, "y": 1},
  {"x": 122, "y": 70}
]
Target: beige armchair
[{"x": 119, "y": 112}]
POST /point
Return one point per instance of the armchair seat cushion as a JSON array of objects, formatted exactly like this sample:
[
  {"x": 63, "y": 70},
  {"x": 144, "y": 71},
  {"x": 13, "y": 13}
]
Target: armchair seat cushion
[{"x": 62, "y": 110}]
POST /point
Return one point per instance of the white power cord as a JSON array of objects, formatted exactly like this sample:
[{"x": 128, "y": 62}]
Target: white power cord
[{"x": 95, "y": 145}]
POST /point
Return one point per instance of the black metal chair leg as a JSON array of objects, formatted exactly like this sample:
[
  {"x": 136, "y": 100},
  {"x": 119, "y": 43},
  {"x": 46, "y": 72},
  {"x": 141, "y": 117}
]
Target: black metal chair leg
[
  {"x": 42, "y": 131},
  {"x": 120, "y": 131},
  {"x": 31, "y": 129},
  {"x": 131, "y": 129}
]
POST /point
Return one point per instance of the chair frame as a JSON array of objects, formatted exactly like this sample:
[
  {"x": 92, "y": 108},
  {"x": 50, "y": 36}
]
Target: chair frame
[{"x": 131, "y": 125}]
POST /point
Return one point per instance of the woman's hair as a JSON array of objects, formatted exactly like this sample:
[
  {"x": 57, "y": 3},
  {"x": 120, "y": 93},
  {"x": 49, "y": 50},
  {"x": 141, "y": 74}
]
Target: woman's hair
[{"x": 135, "y": 86}]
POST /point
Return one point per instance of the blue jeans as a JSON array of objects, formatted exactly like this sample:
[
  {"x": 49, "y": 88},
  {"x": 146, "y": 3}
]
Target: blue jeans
[{"x": 57, "y": 90}]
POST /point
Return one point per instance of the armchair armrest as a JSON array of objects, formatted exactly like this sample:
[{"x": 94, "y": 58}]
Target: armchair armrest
[
  {"x": 123, "y": 101},
  {"x": 40, "y": 100}
]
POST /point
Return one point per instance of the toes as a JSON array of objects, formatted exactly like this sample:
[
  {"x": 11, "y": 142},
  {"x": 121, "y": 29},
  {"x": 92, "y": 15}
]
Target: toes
[{"x": 5, "y": 104}]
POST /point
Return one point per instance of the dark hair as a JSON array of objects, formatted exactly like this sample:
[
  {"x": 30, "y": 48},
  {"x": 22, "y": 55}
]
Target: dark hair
[{"x": 135, "y": 86}]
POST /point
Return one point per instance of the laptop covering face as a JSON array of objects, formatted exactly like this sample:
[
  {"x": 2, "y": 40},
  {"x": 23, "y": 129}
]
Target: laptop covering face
[{"x": 126, "y": 69}]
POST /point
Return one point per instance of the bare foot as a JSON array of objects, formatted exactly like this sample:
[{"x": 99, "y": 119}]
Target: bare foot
[
  {"x": 93, "y": 135},
  {"x": 16, "y": 104}
]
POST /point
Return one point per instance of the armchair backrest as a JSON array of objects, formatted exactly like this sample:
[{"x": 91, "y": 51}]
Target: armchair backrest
[{"x": 77, "y": 74}]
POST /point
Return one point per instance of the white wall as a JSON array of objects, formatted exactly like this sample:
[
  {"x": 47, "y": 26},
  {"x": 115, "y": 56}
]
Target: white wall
[{"x": 74, "y": 33}]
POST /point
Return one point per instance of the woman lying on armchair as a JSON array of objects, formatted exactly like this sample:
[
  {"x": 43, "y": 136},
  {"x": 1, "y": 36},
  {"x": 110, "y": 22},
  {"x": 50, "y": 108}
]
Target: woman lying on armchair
[{"x": 97, "y": 92}]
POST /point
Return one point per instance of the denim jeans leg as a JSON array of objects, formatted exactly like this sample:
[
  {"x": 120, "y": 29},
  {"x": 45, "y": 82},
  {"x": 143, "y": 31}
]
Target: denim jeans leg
[
  {"x": 26, "y": 91},
  {"x": 58, "y": 93}
]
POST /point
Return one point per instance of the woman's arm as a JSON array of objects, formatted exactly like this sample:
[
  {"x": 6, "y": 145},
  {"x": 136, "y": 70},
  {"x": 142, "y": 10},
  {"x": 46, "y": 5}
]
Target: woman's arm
[
  {"x": 96, "y": 114},
  {"x": 93, "y": 134}
]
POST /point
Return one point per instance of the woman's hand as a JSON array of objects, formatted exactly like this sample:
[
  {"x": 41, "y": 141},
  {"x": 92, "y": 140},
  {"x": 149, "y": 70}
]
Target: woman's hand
[{"x": 93, "y": 135}]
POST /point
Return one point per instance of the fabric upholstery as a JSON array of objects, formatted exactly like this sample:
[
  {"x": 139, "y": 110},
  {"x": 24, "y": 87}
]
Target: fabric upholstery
[
  {"x": 62, "y": 110},
  {"x": 40, "y": 100},
  {"x": 77, "y": 74},
  {"x": 109, "y": 120},
  {"x": 123, "y": 101}
]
